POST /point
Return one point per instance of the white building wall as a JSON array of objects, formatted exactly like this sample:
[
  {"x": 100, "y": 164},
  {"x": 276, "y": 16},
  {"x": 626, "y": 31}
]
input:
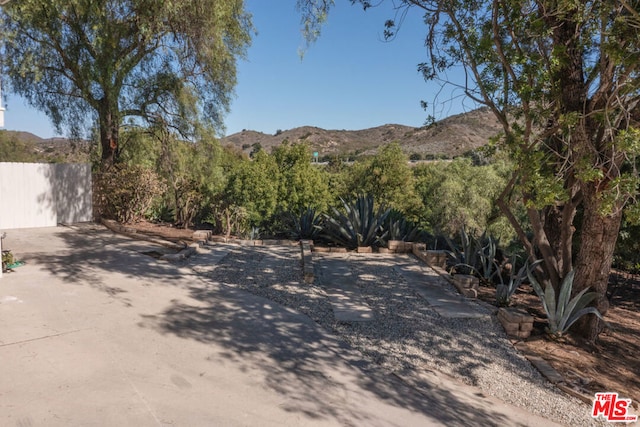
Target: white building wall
[{"x": 43, "y": 195}]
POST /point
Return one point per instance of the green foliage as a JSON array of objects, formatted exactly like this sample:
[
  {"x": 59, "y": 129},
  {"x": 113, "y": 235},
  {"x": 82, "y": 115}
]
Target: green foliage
[
  {"x": 357, "y": 224},
  {"x": 302, "y": 184},
  {"x": 255, "y": 147},
  {"x": 126, "y": 192},
  {"x": 305, "y": 225},
  {"x": 486, "y": 260},
  {"x": 465, "y": 256},
  {"x": 457, "y": 194},
  {"x": 109, "y": 60},
  {"x": 628, "y": 141},
  {"x": 475, "y": 255},
  {"x": 139, "y": 146},
  {"x": 388, "y": 178},
  {"x": 7, "y": 259},
  {"x": 563, "y": 312},
  {"x": 398, "y": 227},
  {"x": 627, "y": 254},
  {"x": 506, "y": 289},
  {"x": 550, "y": 71},
  {"x": 194, "y": 172},
  {"x": 253, "y": 185},
  {"x": 14, "y": 150},
  {"x": 230, "y": 219}
]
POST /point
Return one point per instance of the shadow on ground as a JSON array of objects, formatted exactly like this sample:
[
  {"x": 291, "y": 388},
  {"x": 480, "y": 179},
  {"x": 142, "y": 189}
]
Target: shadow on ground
[
  {"x": 300, "y": 362},
  {"x": 84, "y": 258}
]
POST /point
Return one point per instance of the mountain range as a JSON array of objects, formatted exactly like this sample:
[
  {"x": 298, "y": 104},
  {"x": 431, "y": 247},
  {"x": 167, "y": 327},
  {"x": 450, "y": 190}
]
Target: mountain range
[
  {"x": 449, "y": 137},
  {"x": 446, "y": 138}
]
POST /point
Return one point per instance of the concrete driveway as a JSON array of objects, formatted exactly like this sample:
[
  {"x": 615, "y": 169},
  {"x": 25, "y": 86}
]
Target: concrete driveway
[{"x": 94, "y": 332}]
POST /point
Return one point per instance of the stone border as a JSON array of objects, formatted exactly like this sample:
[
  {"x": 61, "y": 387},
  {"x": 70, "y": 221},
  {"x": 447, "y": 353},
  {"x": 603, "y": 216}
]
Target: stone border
[
  {"x": 525, "y": 325},
  {"x": 182, "y": 255},
  {"x": 307, "y": 260},
  {"x": 201, "y": 235},
  {"x": 547, "y": 371},
  {"x": 184, "y": 251},
  {"x": 466, "y": 285},
  {"x": 133, "y": 233},
  {"x": 245, "y": 242},
  {"x": 517, "y": 323}
]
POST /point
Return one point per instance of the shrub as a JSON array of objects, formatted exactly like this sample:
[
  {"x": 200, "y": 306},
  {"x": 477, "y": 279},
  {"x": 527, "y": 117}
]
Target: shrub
[
  {"x": 7, "y": 259},
  {"x": 358, "y": 224},
  {"x": 487, "y": 266},
  {"x": 229, "y": 219},
  {"x": 126, "y": 192},
  {"x": 389, "y": 179}
]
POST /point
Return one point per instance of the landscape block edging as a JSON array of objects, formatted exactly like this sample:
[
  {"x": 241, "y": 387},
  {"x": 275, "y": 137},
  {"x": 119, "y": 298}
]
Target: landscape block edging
[{"x": 307, "y": 260}]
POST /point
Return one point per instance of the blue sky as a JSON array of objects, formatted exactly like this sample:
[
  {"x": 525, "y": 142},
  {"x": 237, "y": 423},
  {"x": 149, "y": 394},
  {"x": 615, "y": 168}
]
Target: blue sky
[{"x": 349, "y": 79}]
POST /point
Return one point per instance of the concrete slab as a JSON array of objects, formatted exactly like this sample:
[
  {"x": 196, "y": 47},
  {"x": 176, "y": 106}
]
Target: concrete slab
[
  {"x": 335, "y": 276},
  {"x": 95, "y": 333},
  {"x": 437, "y": 292},
  {"x": 208, "y": 257}
]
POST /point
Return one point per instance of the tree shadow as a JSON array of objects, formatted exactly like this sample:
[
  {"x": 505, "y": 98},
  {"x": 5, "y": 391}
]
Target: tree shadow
[
  {"x": 404, "y": 321},
  {"x": 94, "y": 256},
  {"x": 298, "y": 360}
]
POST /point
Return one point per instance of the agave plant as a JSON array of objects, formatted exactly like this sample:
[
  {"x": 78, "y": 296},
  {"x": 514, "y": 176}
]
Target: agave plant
[
  {"x": 306, "y": 225},
  {"x": 563, "y": 312},
  {"x": 464, "y": 258},
  {"x": 486, "y": 264},
  {"x": 358, "y": 224},
  {"x": 506, "y": 289},
  {"x": 399, "y": 228}
]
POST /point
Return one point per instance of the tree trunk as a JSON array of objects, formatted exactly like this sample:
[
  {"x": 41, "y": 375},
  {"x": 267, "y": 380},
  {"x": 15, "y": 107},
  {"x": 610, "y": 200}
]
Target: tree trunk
[
  {"x": 593, "y": 264},
  {"x": 109, "y": 135}
]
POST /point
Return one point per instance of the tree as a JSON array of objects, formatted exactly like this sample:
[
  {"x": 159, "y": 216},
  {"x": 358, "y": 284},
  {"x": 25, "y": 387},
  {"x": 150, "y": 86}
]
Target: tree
[
  {"x": 562, "y": 78},
  {"x": 302, "y": 185},
  {"x": 254, "y": 186},
  {"x": 13, "y": 149},
  {"x": 459, "y": 195},
  {"x": 113, "y": 60},
  {"x": 389, "y": 179}
]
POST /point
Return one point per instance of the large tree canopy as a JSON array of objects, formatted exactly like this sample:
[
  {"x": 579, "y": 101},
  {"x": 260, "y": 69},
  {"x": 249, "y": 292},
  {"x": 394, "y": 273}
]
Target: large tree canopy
[
  {"x": 563, "y": 78},
  {"x": 88, "y": 62}
]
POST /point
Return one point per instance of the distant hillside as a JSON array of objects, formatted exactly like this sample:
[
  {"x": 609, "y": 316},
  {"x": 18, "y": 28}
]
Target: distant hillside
[
  {"x": 450, "y": 137},
  {"x": 25, "y": 146}
]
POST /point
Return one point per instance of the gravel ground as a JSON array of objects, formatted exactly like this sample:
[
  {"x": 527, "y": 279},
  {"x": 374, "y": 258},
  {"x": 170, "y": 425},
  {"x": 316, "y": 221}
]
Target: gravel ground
[{"x": 407, "y": 336}]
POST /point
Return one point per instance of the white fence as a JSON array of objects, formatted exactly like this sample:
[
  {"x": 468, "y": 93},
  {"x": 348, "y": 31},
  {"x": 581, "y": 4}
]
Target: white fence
[{"x": 44, "y": 195}]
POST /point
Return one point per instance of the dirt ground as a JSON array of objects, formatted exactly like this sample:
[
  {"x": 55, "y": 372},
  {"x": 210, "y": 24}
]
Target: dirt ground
[{"x": 612, "y": 364}]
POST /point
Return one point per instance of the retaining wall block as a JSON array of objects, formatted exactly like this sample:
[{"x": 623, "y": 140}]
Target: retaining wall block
[{"x": 517, "y": 323}]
